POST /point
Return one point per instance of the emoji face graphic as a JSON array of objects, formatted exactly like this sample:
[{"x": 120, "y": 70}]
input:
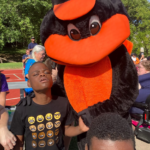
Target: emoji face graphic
[
  {"x": 49, "y": 117},
  {"x": 41, "y": 127},
  {"x": 32, "y": 128},
  {"x": 50, "y": 133},
  {"x": 57, "y": 124},
  {"x": 50, "y": 142},
  {"x": 34, "y": 145},
  {"x": 42, "y": 144},
  {"x": 49, "y": 125},
  {"x": 56, "y": 132},
  {"x": 57, "y": 115},
  {"x": 56, "y": 139},
  {"x": 39, "y": 118},
  {"x": 31, "y": 120},
  {"x": 34, "y": 135},
  {"x": 41, "y": 135}
]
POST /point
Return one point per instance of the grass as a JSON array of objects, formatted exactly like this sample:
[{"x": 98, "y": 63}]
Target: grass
[{"x": 17, "y": 65}]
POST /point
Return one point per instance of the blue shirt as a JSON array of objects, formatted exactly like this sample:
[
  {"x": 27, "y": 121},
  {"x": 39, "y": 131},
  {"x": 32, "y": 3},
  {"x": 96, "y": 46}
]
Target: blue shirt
[
  {"x": 29, "y": 63},
  {"x": 23, "y": 57},
  {"x": 144, "y": 92},
  {"x": 31, "y": 46}
]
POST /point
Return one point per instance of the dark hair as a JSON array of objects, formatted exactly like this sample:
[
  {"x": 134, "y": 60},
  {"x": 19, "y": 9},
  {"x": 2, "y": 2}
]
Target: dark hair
[
  {"x": 50, "y": 69},
  {"x": 110, "y": 126},
  {"x": 134, "y": 54}
]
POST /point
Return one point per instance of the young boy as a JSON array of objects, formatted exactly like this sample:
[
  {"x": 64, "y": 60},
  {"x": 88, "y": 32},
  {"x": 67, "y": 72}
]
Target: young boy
[
  {"x": 43, "y": 123},
  {"x": 109, "y": 131}
]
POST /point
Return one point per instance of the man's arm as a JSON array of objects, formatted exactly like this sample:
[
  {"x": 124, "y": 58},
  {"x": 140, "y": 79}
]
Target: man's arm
[
  {"x": 74, "y": 131},
  {"x": 25, "y": 59},
  {"x": 19, "y": 143}
]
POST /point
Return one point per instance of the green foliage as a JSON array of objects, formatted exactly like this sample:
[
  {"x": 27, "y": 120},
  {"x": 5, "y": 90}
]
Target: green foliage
[
  {"x": 21, "y": 19},
  {"x": 139, "y": 12}
]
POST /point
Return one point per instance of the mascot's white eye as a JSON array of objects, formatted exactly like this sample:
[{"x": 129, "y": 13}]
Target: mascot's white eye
[
  {"x": 74, "y": 32},
  {"x": 94, "y": 25}
]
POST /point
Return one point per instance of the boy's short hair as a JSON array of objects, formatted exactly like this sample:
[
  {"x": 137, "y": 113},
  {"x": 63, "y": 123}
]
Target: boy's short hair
[
  {"x": 110, "y": 126},
  {"x": 49, "y": 68}
]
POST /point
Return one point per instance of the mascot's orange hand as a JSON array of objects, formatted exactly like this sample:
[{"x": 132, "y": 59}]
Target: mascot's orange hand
[{"x": 82, "y": 126}]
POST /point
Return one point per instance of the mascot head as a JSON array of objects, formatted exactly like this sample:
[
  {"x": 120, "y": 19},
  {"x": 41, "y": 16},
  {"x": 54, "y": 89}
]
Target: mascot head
[{"x": 78, "y": 32}]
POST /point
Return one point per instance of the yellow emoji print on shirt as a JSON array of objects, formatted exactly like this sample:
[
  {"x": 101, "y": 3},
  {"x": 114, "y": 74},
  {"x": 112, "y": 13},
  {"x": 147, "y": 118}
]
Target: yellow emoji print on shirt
[
  {"x": 50, "y": 142},
  {"x": 57, "y": 124},
  {"x": 34, "y": 145},
  {"x": 50, "y": 133},
  {"x": 32, "y": 128},
  {"x": 42, "y": 144},
  {"x": 56, "y": 132},
  {"x": 49, "y": 125},
  {"x": 41, "y": 135},
  {"x": 34, "y": 135},
  {"x": 41, "y": 127},
  {"x": 49, "y": 117},
  {"x": 57, "y": 115},
  {"x": 56, "y": 139},
  {"x": 31, "y": 120},
  {"x": 39, "y": 118}
]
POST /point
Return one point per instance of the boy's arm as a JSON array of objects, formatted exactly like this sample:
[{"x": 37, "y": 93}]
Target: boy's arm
[
  {"x": 74, "y": 131},
  {"x": 7, "y": 139},
  {"x": 19, "y": 144}
]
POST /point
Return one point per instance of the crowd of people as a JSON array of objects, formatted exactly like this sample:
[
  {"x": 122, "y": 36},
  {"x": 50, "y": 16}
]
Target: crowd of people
[
  {"x": 142, "y": 65},
  {"x": 43, "y": 123}
]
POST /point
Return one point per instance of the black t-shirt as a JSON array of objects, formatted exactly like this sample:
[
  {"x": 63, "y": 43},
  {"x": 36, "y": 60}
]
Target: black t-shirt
[{"x": 43, "y": 125}]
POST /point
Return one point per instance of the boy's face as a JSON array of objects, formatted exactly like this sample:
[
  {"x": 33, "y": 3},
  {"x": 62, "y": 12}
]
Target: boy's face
[
  {"x": 40, "y": 77},
  {"x": 97, "y": 144}
]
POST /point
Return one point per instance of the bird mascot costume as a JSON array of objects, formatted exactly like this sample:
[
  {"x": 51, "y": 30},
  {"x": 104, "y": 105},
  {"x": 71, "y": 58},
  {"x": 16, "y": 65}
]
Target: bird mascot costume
[{"x": 90, "y": 39}]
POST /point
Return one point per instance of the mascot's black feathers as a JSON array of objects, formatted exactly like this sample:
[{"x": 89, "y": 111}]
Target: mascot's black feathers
[{"x": 104, "y": 9}]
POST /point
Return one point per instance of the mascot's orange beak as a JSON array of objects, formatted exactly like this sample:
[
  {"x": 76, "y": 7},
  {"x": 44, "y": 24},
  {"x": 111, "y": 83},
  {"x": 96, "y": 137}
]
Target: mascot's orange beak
[
  {"x": 72, "y": 9},
  {"x": 113, "y": 33}
]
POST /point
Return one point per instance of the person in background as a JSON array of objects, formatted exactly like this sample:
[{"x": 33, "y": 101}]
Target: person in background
[
  {"x": 148, "y": 58},
  {"x": 141, "y": 56},
  {"x": 144, "y": 81},
  {"x": 25, "y": 57},
  {"x": 31, "y": 45},
  {"x": 7, "y": 139},
  {"x": 38, "y": 54},
  {"x": 135, "y": 59},
  {"x": 109, "y": 131}
]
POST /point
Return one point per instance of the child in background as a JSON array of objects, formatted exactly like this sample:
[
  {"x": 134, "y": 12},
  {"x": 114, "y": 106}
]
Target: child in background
[{"x": 43, "y": 123}]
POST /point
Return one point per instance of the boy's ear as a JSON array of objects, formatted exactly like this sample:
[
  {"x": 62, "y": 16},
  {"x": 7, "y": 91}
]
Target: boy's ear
[{"x": 28, "y": 83}]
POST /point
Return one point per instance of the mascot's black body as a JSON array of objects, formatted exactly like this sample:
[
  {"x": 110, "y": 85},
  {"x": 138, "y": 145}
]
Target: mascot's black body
[{"x": 89, "y": 39}]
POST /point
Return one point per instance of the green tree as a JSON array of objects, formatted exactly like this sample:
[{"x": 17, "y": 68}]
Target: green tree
[
  {"x": 139, "y": 12},
  {"x": 21, "y": 19}
]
